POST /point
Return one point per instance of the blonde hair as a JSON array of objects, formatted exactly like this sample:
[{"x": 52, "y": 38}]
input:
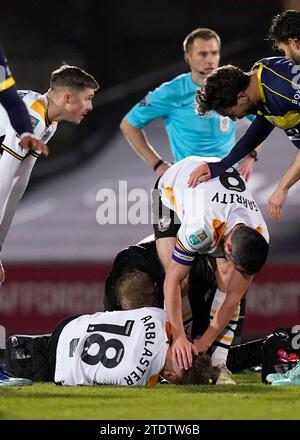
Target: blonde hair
[{"x": 136, "y": 289}]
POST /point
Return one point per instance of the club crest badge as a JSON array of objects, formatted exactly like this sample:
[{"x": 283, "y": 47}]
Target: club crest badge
[{"x": 164, "y": 224}]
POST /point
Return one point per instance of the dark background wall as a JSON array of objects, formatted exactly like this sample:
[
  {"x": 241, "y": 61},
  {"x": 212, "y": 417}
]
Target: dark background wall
[
  {"x": 128, "y": 45},
  {"x": 119, "y": 39}
]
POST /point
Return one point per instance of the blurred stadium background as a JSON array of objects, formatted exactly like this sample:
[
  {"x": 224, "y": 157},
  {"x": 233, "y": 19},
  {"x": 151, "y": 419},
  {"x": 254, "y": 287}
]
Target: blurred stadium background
[{"x": 56, "y": 254}]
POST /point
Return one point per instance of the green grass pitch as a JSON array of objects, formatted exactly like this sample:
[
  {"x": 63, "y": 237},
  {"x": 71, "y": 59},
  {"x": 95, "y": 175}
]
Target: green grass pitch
[{"x": 249, "y": 399}]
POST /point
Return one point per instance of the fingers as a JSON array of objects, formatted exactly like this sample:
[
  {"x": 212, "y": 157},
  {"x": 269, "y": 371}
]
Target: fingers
[
  {"x": 196, "y": 177},
  {"x": 275, "y": 204},
  {"x": 39, "y": 146},
  {"x": 193, "y": 179},
  {"x": 192, "y": 183},
  {"x": 183, "y": 359},
  {"x": 245, "y": 174},
  {"x": 183, "y": 356},
  {"x": 34, "y": 144},
  {"x": 274, "y": 211},
  {"x": 200, "y": 174},
  {"x": 45, "y": 150}
]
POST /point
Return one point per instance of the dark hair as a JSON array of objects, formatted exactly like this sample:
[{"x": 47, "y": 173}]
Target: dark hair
[
  {"x": 203, "y": 33},
  {"x": 201, "y": 372},
  {"x": 284, "y": 26},
  {"x": 249, "y": 249},
  {"x": 72, "y": 77},
  {"x": 136, "y": 289},
  {"x": 221, "y": 89}
]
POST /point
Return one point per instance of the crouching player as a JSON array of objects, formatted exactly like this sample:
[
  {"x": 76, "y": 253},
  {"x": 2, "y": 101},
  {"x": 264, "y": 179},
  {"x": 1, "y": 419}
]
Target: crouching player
[{"x": 136, "y": 280}]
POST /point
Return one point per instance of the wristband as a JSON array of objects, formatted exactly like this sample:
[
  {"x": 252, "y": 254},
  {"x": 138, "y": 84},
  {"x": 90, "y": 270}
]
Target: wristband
[
  {"x": 160, "y": 162},
  {"x": 253, "y": 154}
]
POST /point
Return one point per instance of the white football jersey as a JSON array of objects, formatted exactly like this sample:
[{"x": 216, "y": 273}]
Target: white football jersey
[
  {"x": 43, "y": 128},
  {"x": 117, "y": 348},
  {"x": 208, "y": 211}
]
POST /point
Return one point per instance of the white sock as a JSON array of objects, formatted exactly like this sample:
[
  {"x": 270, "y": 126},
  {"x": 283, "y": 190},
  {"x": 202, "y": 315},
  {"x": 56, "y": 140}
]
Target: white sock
[
  {"x": 224, "y": 341},
  {"x": 219, "y": 356}
]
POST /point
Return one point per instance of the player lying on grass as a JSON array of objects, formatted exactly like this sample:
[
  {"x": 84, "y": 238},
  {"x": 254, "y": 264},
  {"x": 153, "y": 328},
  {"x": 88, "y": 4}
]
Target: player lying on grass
[
  {"x": 133, "y": 348},
  {"x": 115, "y": 348},
  {"x": 137, "y": 278}
]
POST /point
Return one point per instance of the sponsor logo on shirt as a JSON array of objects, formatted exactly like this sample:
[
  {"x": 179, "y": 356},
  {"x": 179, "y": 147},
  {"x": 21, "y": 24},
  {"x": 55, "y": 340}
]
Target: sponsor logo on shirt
[
  {"x": 198, "y": 237},
  {"x": 185, "y": 104},
  {"x": 224, "y": 123},
  {"x": 47, "y": 134}
]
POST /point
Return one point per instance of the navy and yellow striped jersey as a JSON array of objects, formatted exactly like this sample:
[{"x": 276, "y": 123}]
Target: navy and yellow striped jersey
[
  {"x": 6, "y": 79},
  {"x": 279, "y": 86},
  {"x": 10, "y": 101}
]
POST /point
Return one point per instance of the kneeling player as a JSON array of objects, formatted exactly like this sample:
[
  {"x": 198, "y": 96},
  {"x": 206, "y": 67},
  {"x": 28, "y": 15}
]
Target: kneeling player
[{"x": 137, "y": 278}]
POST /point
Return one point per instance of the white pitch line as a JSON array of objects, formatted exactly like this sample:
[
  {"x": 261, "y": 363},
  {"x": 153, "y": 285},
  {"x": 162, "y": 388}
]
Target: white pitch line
[{"x": 35, "y": 211}]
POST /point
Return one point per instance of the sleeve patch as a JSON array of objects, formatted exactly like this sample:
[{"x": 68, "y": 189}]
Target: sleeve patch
[{"x": 34, "y": 121}]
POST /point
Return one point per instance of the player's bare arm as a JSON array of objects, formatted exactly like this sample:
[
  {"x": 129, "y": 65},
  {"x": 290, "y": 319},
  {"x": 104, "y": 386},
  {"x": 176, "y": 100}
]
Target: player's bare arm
[
  {"x": 277, "y": 199},
  {"x": 182, "y": 349},
  {"x": 137, "y": 139},
  {"x": 237, "y": 286}
]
